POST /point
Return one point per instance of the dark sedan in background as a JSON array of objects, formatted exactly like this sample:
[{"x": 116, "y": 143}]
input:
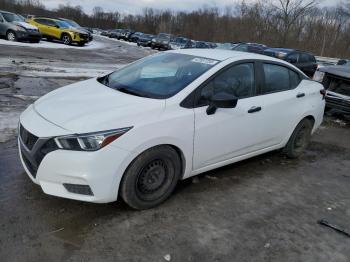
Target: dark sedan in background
[
  {"x": 145, "y": 40},
  {"x": 305, "y": 61}
]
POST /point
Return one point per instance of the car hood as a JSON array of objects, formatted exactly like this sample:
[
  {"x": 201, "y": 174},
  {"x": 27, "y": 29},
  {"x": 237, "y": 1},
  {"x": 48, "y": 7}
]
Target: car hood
[
  {"x": 89, "y": 106},
  {"x": 76, "y": 30},
  {"x": 342, "y": 71},
  {"x": 25, "y": 25}
]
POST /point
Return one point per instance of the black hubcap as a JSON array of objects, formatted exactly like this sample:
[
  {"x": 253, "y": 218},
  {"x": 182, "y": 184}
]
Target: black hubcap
[{"x": 152, "y": 177}]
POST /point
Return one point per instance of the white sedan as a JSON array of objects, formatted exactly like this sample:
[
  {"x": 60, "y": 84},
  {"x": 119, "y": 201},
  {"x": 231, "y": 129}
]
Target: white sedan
[{"x": 137, "y": 131}]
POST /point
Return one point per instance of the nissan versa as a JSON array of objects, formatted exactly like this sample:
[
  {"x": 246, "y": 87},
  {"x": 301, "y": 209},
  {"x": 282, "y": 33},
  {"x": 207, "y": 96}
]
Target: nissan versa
[{"x": 136, "y": 132}]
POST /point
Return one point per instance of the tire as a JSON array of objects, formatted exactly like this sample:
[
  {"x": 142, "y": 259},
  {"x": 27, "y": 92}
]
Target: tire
[
  {"x": 299, "y": 140},
  {"x": 81, "y": 44},
  {"x": 151, "y": 178},
  {"x": 49, "y": 39},
  {"x": 67, "y": 39},
  {"x": 11, "y": 36}
]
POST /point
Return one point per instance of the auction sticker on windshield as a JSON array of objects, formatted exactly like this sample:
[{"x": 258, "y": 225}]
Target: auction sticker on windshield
[{"x": 204, "y": 61}]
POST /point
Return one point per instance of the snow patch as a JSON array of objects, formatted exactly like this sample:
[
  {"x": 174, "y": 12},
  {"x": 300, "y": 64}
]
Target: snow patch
[{"x": 54, "y": 45}]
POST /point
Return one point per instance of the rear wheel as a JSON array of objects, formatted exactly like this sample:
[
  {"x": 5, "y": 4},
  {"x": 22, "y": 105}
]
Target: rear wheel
[
  {"x": 151, "y": 178},
  {"x": 67, "y": 40},
  {"x": 299, "y": 140},
  {"x": 11, "y": 36}
]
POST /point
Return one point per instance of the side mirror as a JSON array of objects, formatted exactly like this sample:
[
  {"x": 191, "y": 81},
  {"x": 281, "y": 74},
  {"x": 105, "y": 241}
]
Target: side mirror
[{"x": 221, "y": 100}]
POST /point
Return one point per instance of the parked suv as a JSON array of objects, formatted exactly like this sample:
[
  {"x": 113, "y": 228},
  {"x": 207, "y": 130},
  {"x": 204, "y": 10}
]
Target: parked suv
[
  {"x": 79, "y": 27},
  {"x": 60, "y": 30},
  {"x": 336, "y": 80},
  {"x": 136, "y": 132},
  {"x": 305, "y": 61},
  {"x": 13, "y": 28},
  {"x": 162, "y": 41}
]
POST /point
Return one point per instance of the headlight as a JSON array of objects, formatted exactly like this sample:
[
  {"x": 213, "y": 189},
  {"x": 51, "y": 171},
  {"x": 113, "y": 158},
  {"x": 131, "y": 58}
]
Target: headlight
[
  {"x": 90, "y": 141},
  {"x": 318, "y": 76},
  {"x": 20, "y": 28}
]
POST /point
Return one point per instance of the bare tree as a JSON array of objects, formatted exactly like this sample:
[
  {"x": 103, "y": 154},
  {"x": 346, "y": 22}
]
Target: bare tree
[{"x": 289, "y": 11}]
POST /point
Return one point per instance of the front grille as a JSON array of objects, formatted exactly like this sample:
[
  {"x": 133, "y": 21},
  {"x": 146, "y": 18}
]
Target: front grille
[
  {"x": 34, "y": 149},
  {"x": 83, "y": 36},
  {"x": 28, "y": 138}
]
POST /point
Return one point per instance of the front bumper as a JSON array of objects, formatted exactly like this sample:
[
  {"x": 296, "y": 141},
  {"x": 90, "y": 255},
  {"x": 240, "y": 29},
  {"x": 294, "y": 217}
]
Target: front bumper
[
  {"x": 100, "y": 171},
  {"x": 28, "y": 36},
  {"x": 338, "y": 102}
]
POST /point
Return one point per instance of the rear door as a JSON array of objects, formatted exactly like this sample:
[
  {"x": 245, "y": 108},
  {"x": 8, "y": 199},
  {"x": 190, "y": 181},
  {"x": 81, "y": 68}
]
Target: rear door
[
  {"x": 283, "y": 100},
  {"x": 42, "y": 25}
]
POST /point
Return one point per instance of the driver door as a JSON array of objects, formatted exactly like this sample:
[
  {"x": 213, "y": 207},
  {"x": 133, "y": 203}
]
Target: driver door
[{"x": 230, "y": 132}]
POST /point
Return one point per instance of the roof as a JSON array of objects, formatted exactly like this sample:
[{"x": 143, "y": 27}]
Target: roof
[
  {"x": 2, "y": 11},
  {"x": 287, "y": 50},
  {"x": 222, "y": 54}
]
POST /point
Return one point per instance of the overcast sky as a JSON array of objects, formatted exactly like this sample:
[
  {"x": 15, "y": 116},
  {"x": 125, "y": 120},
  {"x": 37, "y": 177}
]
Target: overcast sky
[{"x": 135, "y": 6}]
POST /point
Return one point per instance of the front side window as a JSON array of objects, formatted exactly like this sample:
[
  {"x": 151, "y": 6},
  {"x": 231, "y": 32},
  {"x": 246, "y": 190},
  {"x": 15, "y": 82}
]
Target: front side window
[
  {"x": 279, "y": 78},
  {"x": 160, "y": 76},
  {"x": 238, "y": 80},
  {"x": 62, "y": 24},
  {"x": 243, "y": 48}
]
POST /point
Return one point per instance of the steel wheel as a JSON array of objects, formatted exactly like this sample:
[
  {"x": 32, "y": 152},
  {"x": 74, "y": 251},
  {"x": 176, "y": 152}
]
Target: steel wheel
[{"x": 151, "y": 177}]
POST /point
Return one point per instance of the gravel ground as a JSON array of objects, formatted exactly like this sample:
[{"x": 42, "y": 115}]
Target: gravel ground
[{"x": 262, "y": 209}]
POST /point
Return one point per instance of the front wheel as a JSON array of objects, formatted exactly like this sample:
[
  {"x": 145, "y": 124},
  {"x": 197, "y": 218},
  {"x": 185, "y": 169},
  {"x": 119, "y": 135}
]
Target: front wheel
[
  {"x": 67, "y": 40},
  {"x": 151, "y": 178},
  {"x": 11, "y": 36},
  {"x": 81, "y": 44},
  {"x": 299, "y": 140}
]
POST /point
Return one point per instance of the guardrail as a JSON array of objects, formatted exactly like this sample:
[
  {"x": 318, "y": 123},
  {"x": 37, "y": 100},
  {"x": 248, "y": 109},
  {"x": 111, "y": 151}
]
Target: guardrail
[{"x": 326, "y": 60}]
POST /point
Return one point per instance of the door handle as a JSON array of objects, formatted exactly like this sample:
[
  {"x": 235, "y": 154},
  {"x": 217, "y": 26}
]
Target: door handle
[
  {"x": 300, "y": 95},
  {"x": 254, "y": 109}
]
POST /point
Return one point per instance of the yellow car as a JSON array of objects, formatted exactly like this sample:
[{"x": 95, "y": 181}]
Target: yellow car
[{"x": 60, "y": 30}]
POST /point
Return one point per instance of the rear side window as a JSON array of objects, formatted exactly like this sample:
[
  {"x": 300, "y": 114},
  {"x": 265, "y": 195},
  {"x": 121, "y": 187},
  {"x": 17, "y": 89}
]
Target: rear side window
[
  {"x": 312, "y": 59},
  {"x": 304, "y": 58},
  {"x": 279, "y": 78},
  {"x": 41, "y": 21}
]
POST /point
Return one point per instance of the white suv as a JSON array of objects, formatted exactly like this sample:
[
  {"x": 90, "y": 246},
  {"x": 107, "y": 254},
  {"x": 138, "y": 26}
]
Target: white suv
[{"x": 135, "y": 132}]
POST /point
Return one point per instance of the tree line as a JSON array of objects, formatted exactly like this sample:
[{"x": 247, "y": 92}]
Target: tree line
[{"x": 301, "y": 24}]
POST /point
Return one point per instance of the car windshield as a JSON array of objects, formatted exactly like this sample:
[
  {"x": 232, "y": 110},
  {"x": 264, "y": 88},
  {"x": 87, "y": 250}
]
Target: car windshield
[
  {"x": 160, "y": 76},
  {"x": 62, "y": 24},
  {"x": 12, "y": 17},
  {"x": 72, "y": 23}
]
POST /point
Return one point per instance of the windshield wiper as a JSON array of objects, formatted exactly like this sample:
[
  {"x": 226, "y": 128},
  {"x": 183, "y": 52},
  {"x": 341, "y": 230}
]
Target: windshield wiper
[{"x": 130, "y": 92}]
